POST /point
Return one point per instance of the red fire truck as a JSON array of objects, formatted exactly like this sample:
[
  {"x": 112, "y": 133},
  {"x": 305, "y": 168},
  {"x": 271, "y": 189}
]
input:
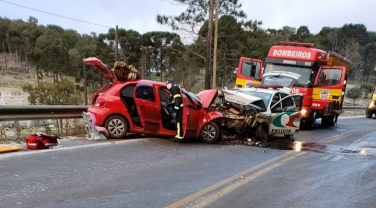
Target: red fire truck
[{"x": 319, "y": 76}]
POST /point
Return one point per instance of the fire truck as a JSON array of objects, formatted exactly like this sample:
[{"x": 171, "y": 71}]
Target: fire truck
[{"x": 319, "y": 76}]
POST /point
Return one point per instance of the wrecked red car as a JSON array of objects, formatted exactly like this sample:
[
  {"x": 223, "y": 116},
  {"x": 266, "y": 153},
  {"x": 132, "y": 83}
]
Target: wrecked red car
[{"x": 140, "y": 107}]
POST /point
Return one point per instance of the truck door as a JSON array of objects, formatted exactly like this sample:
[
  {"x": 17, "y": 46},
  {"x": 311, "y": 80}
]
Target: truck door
[
  {"x": 147, "y": 107},
  {"x": 285, "y": 116},
  {"x": 329, "y": 86},
  {"x": 249, "y": 69}
]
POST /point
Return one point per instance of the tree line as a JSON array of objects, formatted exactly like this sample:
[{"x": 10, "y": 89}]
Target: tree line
[{"x": 158, "y": 55}]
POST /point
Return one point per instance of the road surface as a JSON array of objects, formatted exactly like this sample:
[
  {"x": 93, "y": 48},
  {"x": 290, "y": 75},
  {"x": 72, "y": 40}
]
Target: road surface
[{"x": 333, "y": 167}]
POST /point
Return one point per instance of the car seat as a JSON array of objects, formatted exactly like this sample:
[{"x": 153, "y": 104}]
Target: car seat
[{"x": 93, "y": 132}]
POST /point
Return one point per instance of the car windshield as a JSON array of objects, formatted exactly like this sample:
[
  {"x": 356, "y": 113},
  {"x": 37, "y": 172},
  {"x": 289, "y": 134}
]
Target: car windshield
[
  {"x": 263, "y": 95},
  {"x": 303, "y": 81},
  {"x": 192, "y": 96}
]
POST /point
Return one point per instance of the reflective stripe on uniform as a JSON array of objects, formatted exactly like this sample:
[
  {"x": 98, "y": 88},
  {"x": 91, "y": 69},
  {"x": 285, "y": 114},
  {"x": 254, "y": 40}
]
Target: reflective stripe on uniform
[
  {"x": 177, "y": 95},
  {"x": 181, "y": 105},
  {"x": 178, "y": 130},
  {"x": 177, "y": 107}
]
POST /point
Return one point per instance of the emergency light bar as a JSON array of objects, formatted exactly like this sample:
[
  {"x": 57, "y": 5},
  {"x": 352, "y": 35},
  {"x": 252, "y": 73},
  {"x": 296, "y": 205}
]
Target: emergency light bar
[{"x": 308, "y": 45}]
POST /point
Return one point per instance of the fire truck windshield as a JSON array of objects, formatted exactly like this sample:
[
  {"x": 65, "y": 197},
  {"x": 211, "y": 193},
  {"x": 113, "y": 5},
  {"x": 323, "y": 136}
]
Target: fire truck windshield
[{"x": 287, "y": 75}]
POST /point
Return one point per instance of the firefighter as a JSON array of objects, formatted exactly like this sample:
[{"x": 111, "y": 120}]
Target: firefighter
[{"x": 176, "y": 101}]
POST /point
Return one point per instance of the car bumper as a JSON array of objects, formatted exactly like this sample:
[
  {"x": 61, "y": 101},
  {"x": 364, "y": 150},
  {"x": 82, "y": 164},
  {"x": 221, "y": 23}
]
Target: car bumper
[{"x": 99, "y": 113}]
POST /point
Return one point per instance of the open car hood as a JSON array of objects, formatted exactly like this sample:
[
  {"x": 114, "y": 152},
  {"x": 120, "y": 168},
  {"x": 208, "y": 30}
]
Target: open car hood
[
  {"x": 207, "y": 97},
  {"x": 108, "y": 74},
  {"x": 239, "y": 97}
]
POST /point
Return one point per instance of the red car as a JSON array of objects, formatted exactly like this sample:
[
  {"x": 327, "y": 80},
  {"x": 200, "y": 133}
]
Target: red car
[{"x": 140, "y": 107}]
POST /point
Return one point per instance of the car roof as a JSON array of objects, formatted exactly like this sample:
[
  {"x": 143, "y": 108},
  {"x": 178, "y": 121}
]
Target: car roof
[{"x": 143, "y": 81}]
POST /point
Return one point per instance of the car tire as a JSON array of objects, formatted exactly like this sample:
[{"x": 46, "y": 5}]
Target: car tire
[
  {"x": 117, "y": 127},
  {"x": 210, "y": 133},
  {"x": 369, "y": 113},
  {"x": 262, "y": 133}
]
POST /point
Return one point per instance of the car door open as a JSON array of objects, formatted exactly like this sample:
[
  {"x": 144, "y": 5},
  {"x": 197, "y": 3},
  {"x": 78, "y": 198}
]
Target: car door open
[{"x": 148, "y": 109}]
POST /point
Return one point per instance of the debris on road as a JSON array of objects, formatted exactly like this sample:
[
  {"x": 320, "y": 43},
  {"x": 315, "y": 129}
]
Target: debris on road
[
  {"x": 9, "y": 148},
  {"x": 41, "y": 141},
  {"x": 93, "y": 132}
]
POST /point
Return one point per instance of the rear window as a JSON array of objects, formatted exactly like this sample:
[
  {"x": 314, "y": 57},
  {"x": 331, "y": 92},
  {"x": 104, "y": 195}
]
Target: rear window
[
  {"x": 105, "y": 88},
  {"x": 99, "y": 92}
]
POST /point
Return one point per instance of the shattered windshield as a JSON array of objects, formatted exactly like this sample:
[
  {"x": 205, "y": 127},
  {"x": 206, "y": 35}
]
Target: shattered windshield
[
  {"x": 264, "y": 96},
  {"x": 304, "y": 80}
]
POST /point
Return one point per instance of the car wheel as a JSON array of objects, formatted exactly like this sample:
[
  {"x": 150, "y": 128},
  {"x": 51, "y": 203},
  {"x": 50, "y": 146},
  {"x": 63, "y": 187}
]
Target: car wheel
[
  {"x": 210, "y": 133},
  {"x": 262, "y": 133},
  {"x": 369, "y": 113},
  {"x": 117, "y": 127},
  {"x": 289, "y": 137}
]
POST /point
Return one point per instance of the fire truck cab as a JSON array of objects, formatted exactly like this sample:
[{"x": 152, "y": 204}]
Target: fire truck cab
[{"x": 319, "y": 76}]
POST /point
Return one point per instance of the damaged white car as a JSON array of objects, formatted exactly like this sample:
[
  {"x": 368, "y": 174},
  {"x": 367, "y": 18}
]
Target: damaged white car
[{"x": 260, "y": 112}]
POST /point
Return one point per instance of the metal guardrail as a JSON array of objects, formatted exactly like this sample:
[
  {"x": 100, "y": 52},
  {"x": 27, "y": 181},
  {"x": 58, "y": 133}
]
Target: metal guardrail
[
  {"x": 354, "y": 107},
  {"x": 40, "y": 112}
]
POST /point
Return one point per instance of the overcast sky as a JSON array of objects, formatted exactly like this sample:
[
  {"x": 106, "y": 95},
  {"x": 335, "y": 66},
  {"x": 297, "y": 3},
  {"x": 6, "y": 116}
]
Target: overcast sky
[{"x": 141, "y": 15}]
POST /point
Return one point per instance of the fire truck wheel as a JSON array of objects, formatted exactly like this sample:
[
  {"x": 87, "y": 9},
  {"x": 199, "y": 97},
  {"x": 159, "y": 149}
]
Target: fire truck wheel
[
  {"x": 369, "y": 113},
  {"x": 210, "y": 133},
  {"x": 324, "y": 121},
  {"x": 262, "y": 133},
  {"x": 332, "y": 120},
  {"x": 310, "y": 123},
  {"x": 116, "y": 126}
]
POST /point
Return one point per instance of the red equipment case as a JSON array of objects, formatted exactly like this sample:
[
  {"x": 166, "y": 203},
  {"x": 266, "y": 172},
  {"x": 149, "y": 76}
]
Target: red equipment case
[{"x": 41, "y": 141}]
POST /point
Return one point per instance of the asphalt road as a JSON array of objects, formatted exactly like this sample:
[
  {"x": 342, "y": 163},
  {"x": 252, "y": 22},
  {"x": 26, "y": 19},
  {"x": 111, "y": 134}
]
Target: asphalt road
[{"x": 336, "y": 167}]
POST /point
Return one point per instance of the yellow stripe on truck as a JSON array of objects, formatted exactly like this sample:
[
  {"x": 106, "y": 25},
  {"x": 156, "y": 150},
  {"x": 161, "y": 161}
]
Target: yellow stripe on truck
[
  {"x": 322, "y": 94},
  {"x": 241, "y": 82}
]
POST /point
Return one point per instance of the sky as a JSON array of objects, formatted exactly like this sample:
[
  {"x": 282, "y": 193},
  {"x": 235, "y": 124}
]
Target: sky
[{"x": 140, "y": 15}]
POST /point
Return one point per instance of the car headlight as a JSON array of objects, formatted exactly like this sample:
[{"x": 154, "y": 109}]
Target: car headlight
[
  {"x": 304, "y": 112},
  {"x": 371, "y": 104}
]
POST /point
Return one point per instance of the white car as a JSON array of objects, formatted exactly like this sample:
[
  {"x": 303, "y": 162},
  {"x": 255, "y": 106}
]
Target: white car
[{"x": 262, "y": 111}]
